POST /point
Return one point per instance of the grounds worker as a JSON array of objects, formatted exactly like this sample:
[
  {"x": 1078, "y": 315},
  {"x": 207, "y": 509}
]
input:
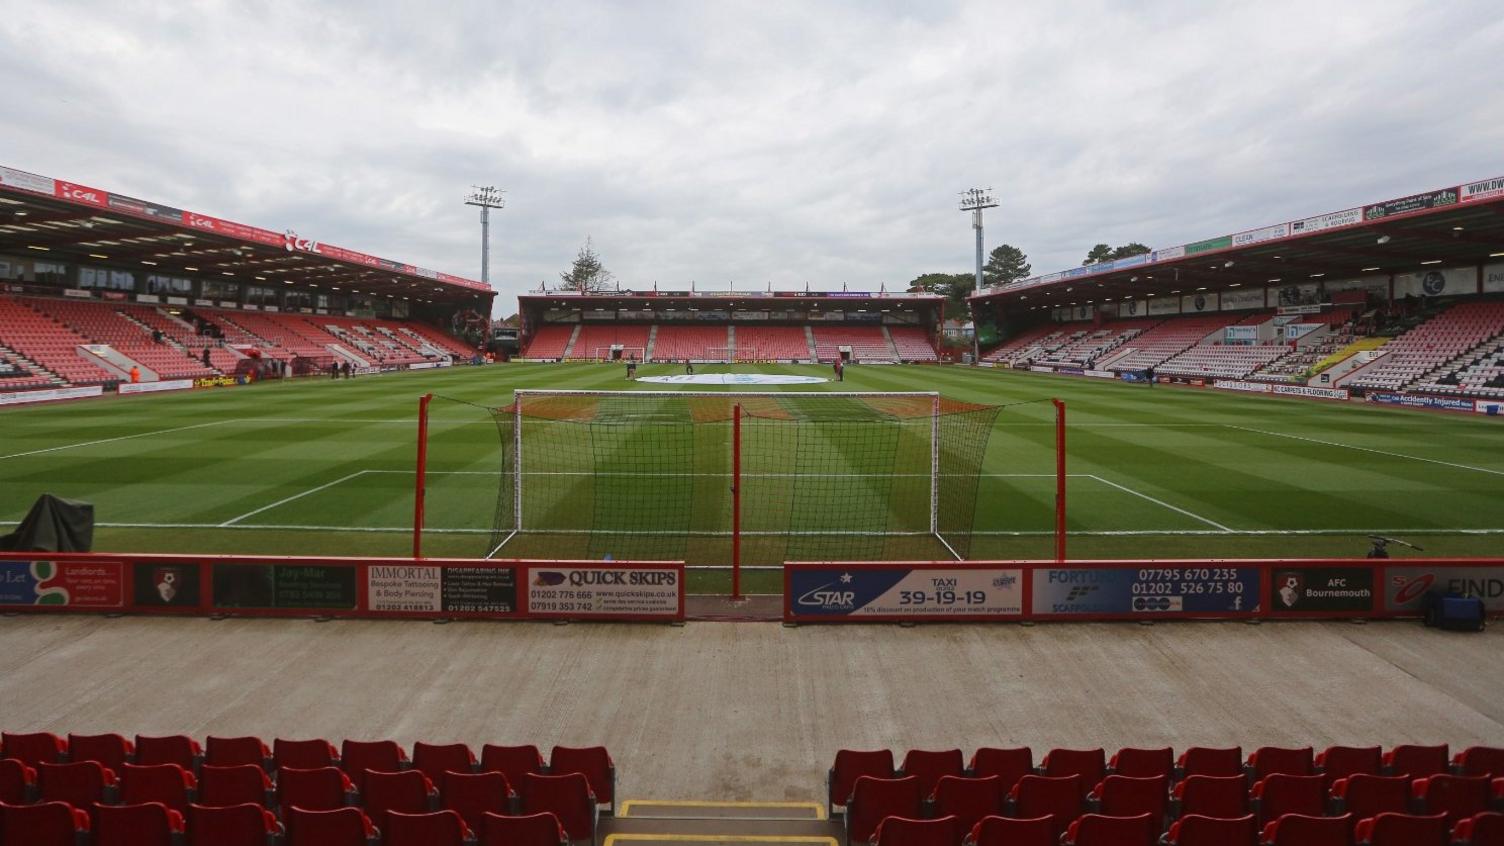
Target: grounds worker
[
  {"x": 135, "y": 375},
  {"x": 632, "y": 368}
]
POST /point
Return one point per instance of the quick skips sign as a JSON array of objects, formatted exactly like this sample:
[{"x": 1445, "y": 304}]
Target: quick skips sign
[
  {"x": 637, "y": 592},
  {"x": 834, "y": 592}
]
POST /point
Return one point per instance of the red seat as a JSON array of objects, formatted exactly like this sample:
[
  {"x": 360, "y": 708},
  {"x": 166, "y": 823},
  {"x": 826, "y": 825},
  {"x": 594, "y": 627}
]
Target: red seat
[
  {"x": 593, "y": 762},
  {"x": 16, "y": 781},
  {"x": 1281, "y": 794},
  {"x": 382, "y": 756},
  {"x": 1089, "y": 764},
  {"x": 339, "y": 827},
  {"x": 1100, "y": 830},
  {"x": 407, "y": 791},
  {"x": 1143, "y": 763},
  {"x": 434, "y": 828},
  {"x": 1456, "y": 796},
  {"x": 1203, "y": 761},
  {"x": 1273, "y": 760},
  {"x": 1126, "y": 796},
  {"x": 323, "y": 789},
  {"x": 873, "y": 799},
  {"x": 304, "y": 754},
  {"x": 968, "y": 800},
  {"x": 904, "y": 831},
  {"x": 80, "y": 785},
  {"x": 1480, "y": 761},
  {"x": 1213, "y": 796},
  {"x": 1197, "y": 830},
  {"x": 514, "y": 762},
  {"x": 433, "y": 761},
  {"x": 44, "y": 824},
  {"x": 143, "y": 824},
  {"x": 1486, "y": 829},
  {"x": 231, "y": 825},
  {"x": 165, "y": 783},
  {"x": 1403, "y": 830},
  {"x": 849, "y": 766},
  {"x": 1057, "y": 797},
  {"x": 1010, "y": 765},
  {"x": 1007, "y": 831},
  {"x": 234, "y": 751},
  {"x": 223, "y": 786},
  {"x": 1416, "y": 761},
  {"x": 110, "y": 750},
  {"x": 473, "y": 795},
  {"x": 567, "y": 797},
  {"x": 1301, "y": 830},
  {"x": 929, "y": 766},
  {"x": 172, "y": 749},
  {"x": 32, "y": 749},
  {"x": 1366, "y": 796},
  {"x": 1342, "y": 761},
  {"x": 530, "y": 830}
]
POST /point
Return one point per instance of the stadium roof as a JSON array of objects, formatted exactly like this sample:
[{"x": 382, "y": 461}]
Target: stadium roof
[
  {"x": 780, "y": 300},
  {"x": 1457, "y": 225},
  {"x": 44, "y": 216}
]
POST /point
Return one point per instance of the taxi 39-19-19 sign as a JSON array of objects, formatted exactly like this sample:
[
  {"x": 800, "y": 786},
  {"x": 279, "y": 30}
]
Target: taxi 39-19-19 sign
[{"x": 829, "y": 592}]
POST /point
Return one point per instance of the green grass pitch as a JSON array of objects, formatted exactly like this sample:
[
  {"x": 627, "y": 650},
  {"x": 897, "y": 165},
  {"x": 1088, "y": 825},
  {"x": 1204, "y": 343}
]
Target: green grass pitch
[{"x": 318, "y": 467}]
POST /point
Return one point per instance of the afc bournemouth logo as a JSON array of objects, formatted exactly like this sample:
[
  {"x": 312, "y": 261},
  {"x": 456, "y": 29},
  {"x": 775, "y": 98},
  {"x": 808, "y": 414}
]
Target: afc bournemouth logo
[
  {"x": 1434, "y": 283},
  {"x": 1291, "y": 588}
]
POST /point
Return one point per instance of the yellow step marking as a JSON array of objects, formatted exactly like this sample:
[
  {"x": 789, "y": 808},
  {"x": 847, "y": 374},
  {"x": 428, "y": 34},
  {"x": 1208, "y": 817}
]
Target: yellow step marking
[{"x": 627, "y": 805}]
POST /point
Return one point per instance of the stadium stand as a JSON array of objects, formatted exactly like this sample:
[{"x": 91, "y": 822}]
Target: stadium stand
[
  {"x": 912, "y": 344},
  {"x": 378, "y": 347},
  {"x": 1086, "y": 347},
  {"x": 1300, "y": 362},
  {"x": 676, "y": 343},
  {"x": 868, "y": 343},
  {"x": 596, "y": 339},
  {"x": 286, "y": 339},
  {"x": 550, "y": 341},
  {"x": 102, "y": 323},
  {"x": 769, "y": 343},
  {"x": 1165, "y": 341},
  {"x": 221, "y": 358},
  {"x": 49, "y": 344},
  {"x": 1030, "y": 342},
  {"x": 1436, "y": 352}
]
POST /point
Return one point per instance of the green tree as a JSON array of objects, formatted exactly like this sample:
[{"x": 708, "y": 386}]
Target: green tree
[
  {"x": 1103, "y": 252},
  {"x": 1005, "y": 264},
  {"x": 586, "y": 273},
  {"x": 1132, "y": 248},
  {"x": 1098, "y": 254}
]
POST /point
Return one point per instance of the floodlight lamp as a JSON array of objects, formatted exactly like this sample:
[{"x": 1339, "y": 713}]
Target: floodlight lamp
[{"x": 1383, "y": 239}]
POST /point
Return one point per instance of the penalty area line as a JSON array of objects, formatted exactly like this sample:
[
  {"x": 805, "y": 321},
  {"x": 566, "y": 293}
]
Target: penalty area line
[
  {"x": 1193, "y": 515},
  {"x": 1366, "y": 449},
  {"x": 116, "y": 439},
  {"x": 233, "y": 520}
]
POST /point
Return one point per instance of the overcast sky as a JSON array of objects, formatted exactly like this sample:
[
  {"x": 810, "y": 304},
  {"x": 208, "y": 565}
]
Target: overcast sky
[{"x": 753, "y": 142}]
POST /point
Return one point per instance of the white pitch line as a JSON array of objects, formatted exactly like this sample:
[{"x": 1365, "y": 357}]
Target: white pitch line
[
  {"x": 120, "y": 438},
  {"x": 1367, "y": 449},
  {"x": 1193, "y": 515},
  {"x": 233, "y": 520}
]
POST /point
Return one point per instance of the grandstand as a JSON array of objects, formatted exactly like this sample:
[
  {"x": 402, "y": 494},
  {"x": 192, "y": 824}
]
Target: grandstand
[{"x": 1435, "y": 351}]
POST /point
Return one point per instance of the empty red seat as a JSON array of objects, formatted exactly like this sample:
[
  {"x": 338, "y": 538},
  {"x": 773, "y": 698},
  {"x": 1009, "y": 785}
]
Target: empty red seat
[
  {"x": 1301, "y": 830},
  {"x": 473, "y": 795},
  {"x": 1272, "y": 760},
  {"x": 1057, "y": 797},
  {"x": 165, "y": 783},
  {"x": 408, "y": 791},
  {"x": 382, "y": 756},
  {"x": 1212, "y": 796},
  {"x": 1089, "y": 764},
  {"x": 929, "y": 766},
  {"x": 1100, "y": 830},
  {"x": 1203, "y": 761},
  {"x": 16, "y": 781},
  {"x": 111, "y": 750},
  {"x": 1143, "y": 763},
  {"x": 1126, "y": 796},
  {"x": 1416, "y": 761},
  {"x": 1366, "y": 796},
  {"x": 1009, "y": 831},
  {"x": 1403, "y": 830},
  {"x": 433, "y": 828},
  {"x": 1281, "y": 794},
  {"x": 32, "y": 749},
  {"x": 239, "y": 785},
  {"x": 1486, "y": 829},
  {"x": 904, "y": 831},
  {"x": 1009, "y": 765},
  {"x": 593, "y": 762},
  {"x": 528, "y": 830},
  {"x": 80, "y": 785},
  {"x": 851, "y": 765},
  {"x": 304, "y": 754},
  {"x": 1455, "y": 796},
  {"x": 231, "y": 825},
  {"x": 43, "y": 824},
  {"x": 143, "y": 824},
  {"x": 968, "y": 800},
  {"x": 320, "y": 789},
  {"x": 1198, "y": 830},
  {"x": 1480, "y": 761},
  {"x": 567, "y": 797},
  {"x": 514, "y": 762},
  {"x": 1342, "y": 761},
  {"x": 873, "y": 799},
  {"x": 339, "y": 827},
  {"x": 234, "y": 751},
  {"x": 435, "y": 760},
  {"x": 172, "y": 749}
]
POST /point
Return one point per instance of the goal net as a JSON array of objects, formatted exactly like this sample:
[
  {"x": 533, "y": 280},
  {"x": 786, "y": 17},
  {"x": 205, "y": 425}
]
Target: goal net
[
  {"x": 737, "y": 478},
  {"x": 620, "y": 352}
]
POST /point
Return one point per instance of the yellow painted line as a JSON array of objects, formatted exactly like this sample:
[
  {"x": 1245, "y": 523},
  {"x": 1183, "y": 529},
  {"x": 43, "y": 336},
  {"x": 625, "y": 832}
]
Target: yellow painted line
[
  {"x": 626, "y": 806},
  {"x": 611, "y": 839}
]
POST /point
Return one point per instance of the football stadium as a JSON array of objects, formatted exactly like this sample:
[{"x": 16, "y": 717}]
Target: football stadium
[{"x": 1196, "y": 544}]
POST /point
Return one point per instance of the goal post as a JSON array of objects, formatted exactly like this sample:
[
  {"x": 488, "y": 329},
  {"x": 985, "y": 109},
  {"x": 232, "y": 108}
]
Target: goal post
[{"x": 620, "y": 352}]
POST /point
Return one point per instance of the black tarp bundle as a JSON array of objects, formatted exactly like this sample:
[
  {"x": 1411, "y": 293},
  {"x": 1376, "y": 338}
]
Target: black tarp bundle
[{"x": 54, "y": 524}]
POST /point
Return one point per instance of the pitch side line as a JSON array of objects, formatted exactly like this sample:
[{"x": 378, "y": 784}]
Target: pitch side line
[
  {"x": 120, "y": 438},
  {"x": 1175, "y": 508},
  {"x": 1367, "y": 449},
  {"x": 233, "y": 520}
]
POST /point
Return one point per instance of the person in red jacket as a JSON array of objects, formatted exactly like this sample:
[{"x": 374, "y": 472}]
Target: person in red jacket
[{"x": 135, "y": 375}]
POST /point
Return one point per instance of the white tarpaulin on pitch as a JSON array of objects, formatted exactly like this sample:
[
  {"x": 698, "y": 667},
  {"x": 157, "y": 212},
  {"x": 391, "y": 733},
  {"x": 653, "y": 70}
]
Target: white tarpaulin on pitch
[{"x": 732, "y": 379}]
